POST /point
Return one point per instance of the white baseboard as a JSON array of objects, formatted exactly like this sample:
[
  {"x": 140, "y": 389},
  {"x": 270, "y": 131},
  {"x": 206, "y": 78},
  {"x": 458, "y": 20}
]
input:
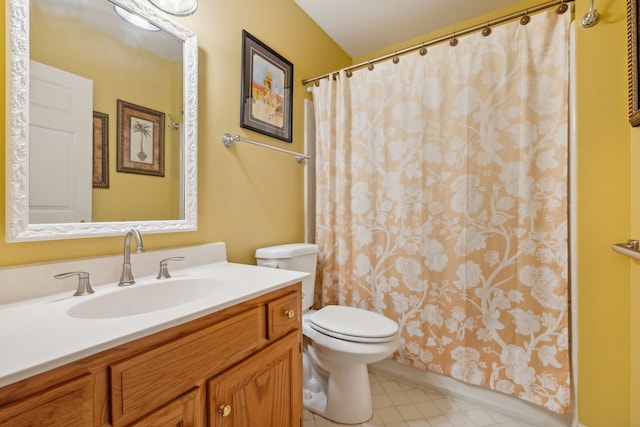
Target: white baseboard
[{"x": 489, "y": 399}]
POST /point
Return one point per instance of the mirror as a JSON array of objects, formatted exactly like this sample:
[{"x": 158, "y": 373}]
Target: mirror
[{"x": 144, "y": 82}]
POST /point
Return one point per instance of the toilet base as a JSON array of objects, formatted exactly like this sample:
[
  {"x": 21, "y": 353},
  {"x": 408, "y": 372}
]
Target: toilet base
[
  {"x": 314, "y": 401},
  {"x": 350, "y": 396}
]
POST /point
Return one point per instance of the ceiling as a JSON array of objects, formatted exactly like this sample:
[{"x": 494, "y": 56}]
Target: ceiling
[{"x": 361, "y": 27}]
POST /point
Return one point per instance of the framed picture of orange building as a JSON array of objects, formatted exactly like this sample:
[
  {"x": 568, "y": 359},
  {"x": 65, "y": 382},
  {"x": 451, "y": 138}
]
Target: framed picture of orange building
[
  {"x": 633, "y": 54},
  {"x": 267, "y": 89}
]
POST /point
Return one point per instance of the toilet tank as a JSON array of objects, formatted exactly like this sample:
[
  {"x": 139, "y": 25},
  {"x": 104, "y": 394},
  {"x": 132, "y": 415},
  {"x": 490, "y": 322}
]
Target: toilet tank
[{"x": 297, "y": 257}]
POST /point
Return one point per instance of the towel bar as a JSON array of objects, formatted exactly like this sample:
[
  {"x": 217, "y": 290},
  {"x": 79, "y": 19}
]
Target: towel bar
[
  {"x": 631, "y": 248},
  {"x": 229, "y": 139}
]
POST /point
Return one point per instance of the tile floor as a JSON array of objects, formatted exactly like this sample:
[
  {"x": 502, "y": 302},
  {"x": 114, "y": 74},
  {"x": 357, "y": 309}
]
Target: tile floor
[{"x": 398, "y": 404}]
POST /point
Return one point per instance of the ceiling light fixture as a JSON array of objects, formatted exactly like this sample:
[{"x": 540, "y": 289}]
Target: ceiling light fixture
[
  {"x": 176, "y": 7},
  {"x": 134, "y": 19}
]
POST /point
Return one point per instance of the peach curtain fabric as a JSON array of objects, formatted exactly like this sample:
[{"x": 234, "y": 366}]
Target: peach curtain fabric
[{"x": 442, "y": 202}]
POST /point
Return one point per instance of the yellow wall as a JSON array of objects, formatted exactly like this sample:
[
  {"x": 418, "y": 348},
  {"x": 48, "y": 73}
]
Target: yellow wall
[
  {"x": 251, "y": 197},
  {"x": 248, "y": 196},
  {"x": 634, "y": 285},
  {"x": 446, "y": 31},
  {"x": 605, "y": 216}
]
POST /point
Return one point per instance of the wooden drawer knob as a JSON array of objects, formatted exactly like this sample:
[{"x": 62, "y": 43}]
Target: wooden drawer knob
[
  {"x": 225, "y": 410},
  {"x": 289, "y": 314}
]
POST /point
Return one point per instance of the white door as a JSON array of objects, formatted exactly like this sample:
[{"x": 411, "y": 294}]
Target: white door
[{"x": 60, "y": 146}]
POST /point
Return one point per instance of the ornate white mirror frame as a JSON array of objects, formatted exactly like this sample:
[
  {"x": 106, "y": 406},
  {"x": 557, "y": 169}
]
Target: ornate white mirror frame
[{"x": 18, "y": 227}]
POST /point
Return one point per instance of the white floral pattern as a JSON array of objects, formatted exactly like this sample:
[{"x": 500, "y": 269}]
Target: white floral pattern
[{"x": 442, "y": 203}]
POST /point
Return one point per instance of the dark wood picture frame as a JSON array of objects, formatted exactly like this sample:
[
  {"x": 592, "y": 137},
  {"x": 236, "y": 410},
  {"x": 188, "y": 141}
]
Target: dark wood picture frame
[
  {"x": 140, "y": 139},
  {"x": 100, "y": 150},
  {"x": 267, "y": 90},
  {"x": 632, "y": 53}
]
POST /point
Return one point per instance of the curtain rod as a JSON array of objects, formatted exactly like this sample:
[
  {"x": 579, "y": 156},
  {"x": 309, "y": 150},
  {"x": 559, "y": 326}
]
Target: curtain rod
[{"x": 523, "y": 15}]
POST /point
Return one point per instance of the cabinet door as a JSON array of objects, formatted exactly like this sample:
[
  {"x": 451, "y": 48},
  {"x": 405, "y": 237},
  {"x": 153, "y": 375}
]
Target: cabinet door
[
  {"x": 180, "y": 412},
  {"x": 70, "y": 404},
  {"x": 260, "y": 391}
]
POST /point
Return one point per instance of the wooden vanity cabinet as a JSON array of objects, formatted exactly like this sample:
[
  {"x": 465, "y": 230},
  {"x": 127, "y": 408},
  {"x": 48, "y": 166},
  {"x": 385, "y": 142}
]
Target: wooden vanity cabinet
[
  {"x": 67, "y": 404},
  {"x": 240, "y": 367}
]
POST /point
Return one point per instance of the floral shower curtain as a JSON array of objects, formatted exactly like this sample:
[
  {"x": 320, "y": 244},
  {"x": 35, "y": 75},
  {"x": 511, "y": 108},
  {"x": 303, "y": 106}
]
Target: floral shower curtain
[{"x": 442, "y": 202}]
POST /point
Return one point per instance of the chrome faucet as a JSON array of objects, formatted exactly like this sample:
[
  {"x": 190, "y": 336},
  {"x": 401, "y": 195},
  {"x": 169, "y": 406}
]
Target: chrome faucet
[{"x": 126, "y": 278}]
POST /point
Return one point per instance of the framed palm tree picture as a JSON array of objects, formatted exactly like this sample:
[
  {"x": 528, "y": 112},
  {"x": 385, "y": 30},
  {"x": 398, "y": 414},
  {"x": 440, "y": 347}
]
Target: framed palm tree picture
[{"x": 140, "y": 139}]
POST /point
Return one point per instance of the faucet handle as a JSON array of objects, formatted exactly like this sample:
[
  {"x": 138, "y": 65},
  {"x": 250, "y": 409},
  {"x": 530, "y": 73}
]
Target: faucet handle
[
  {"x": 164, "y": 270},
  {"x": 84, "y": 287}
]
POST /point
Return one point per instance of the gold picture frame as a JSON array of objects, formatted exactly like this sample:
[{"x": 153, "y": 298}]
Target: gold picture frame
[
  {"x": 632, "y": 54},
  {"x": 140, "y": 139},
  {"x": 100, "y": 150}
]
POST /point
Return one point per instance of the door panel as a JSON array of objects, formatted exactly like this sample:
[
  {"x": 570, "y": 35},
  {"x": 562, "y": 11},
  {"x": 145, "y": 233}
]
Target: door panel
[{"x": 60, "y": 146}]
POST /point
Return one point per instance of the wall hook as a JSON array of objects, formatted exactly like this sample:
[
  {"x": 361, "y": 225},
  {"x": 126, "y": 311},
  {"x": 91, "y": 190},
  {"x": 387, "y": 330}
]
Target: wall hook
[
  {"x": 591, "y": 18},
  {"x": 173, "y": 124}
]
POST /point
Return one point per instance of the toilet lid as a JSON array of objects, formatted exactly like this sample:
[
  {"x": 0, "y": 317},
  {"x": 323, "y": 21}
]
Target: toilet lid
[{"x": 353, "y": 324}]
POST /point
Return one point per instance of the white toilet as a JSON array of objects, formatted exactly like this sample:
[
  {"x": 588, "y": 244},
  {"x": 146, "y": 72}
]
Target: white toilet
[{"x": 339, "y": 343}]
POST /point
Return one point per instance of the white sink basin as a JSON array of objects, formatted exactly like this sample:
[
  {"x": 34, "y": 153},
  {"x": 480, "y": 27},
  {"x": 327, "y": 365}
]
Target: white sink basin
[{"x": 139, "y": 299}]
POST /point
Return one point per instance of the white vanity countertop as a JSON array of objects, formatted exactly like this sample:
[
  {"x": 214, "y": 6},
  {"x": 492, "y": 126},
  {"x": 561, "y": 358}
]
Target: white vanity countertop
[{"x": 39, "y": 334}]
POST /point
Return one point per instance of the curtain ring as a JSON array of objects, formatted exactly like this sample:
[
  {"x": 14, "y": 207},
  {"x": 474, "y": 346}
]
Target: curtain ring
[
  {"x": 562, "y": 8},
  {"x": 370, "y": 66},
  {"x": 395, "y": 58},
  {"x": 423, "y": 50},
  {"x": 454, "y": 40},
  {"x": 486, "y": 30},
  {"x": 317, "y": 83},
  {"x": 525, "y": 18},
  {"x": 348, "y": 73}
]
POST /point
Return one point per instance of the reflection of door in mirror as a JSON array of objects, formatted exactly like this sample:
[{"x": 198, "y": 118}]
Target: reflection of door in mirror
[
  {"x": 60, "y": 154},
  {"x": 124, "y": 62}
]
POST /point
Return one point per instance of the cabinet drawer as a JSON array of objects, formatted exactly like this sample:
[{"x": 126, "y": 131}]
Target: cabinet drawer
[
  {"x": 284, "y": 315},
  {"x": 151, "y": 379},
  {"x": 179, "y": 412},
  {"x": 70, "y": 404}
]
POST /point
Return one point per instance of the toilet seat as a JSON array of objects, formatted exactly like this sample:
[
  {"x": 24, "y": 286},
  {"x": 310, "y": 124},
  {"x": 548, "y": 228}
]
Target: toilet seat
[{"x": 353, "y": 324}]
